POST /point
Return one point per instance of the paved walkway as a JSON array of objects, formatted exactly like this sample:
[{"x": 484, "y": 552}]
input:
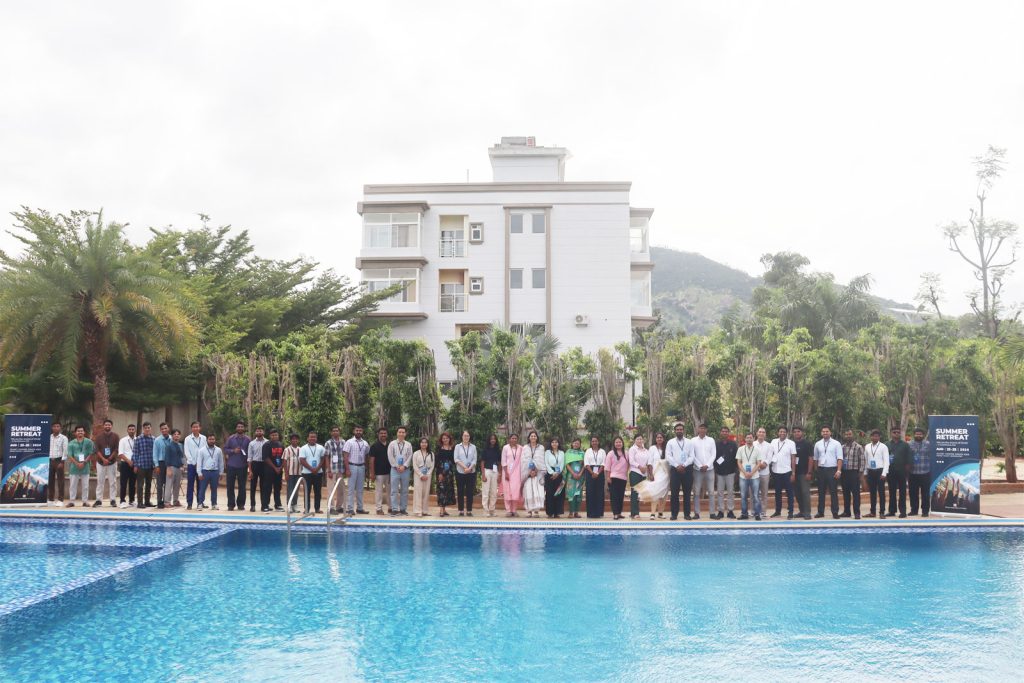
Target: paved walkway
[{"x": 1000, "y": 510}]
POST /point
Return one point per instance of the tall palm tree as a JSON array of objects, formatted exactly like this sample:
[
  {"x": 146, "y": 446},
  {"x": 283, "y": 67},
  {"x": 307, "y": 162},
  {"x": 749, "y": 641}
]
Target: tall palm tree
[{"x": 80, "y": 292}]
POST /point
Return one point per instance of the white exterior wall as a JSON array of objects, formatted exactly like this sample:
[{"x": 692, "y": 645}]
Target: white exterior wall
[
  {"x": 589, "y": 273},
  {"x": 585, "y": 252}
]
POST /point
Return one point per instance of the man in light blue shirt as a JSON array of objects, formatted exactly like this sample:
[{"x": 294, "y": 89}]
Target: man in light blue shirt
[
  {"x": 311, "y": 456},
  {"x": 160, "y": 446},
  {"x": 209, "y": 467},
  {"x": 194, "y": 444},
  {"x": 828, "y": 454}
]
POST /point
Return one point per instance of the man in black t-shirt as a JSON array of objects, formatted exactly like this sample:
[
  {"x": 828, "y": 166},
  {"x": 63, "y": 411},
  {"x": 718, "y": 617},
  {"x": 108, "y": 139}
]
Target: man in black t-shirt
[
  {"x": 381, "y": 471},
  {"x": 725, "y": 474},
  {"x": 802, "y": 475},
  {"x": 273, "y": 466}
]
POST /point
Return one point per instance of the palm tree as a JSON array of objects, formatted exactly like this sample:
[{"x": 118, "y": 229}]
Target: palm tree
[{"x": 81, "y": 292}]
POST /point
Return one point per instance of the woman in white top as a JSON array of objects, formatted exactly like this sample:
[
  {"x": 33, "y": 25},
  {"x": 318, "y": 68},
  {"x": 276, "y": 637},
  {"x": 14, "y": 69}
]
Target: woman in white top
[
  {"x": 593, "y": 461},
  {"x": 554, "y": 481},
  {"x": 422, "y": 468},
  {"x": 655, "y": 490},
  {"x": 533, "y": 468}
]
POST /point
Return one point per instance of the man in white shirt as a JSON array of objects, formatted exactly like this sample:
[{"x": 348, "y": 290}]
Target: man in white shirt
[
  {"x": 58, "y": 456},
  {"x": 877, "y": 455},
  {"x": 680, "y": 457},
  {"x": 783, "y": 463},
  {"x": 125, "y": 449},
  {"x": 703, "y": 468},
  {"x": 766, "y": 454},
  {"x": 354, "y": 455},
  {"x": 828, "y": 453},
  {"x": 195, "y": 443}
]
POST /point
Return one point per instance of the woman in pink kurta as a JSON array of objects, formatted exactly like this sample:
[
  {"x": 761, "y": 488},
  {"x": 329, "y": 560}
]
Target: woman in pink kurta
[{"x": 511, "y": 482}]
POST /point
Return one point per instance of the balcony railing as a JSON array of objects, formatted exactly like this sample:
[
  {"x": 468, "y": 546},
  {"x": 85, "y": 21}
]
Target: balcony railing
[
  {"x": 453, "y": 248},
  {"x": 453, "y": 303}
]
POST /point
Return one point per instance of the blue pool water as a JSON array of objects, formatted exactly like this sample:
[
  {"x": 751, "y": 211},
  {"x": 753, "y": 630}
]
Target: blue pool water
[{"x": 250, "y": 605}]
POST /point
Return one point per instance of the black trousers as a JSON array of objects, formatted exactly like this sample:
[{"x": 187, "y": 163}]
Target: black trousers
[
  {"x": 55, "y": 483},
  {"x": 270, "y": 483},
  {"x": 255, "y": 482},
  {"x": 553, "y": 505},
  {"x": 876, "y": 487},
  {"x": 897, "y": 492},
  {"x": 465, "y": 488},
  {"x": 236, "y": 481},
  {"x": 851, "y": 492},
  {"x": 313, "y": 484},
  {"x": 782, "y": 483},
  {"x": 595, "y": 494},
  {"x": 127, "y": 483},
  {"x": 827, "y": 484},
  {"x": 617, "y": 492},
  {"x": 143, "y": 482},
  {"x": 675, "y": 480},
  {"x": 920, "y": 487}
]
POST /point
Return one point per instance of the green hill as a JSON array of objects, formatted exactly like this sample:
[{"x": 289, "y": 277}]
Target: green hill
[{"x": 692, "y": 292}]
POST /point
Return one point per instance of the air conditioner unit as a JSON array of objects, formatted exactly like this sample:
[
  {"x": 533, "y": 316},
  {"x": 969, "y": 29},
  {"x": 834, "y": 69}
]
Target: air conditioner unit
[{"x": 582, "y": 320}]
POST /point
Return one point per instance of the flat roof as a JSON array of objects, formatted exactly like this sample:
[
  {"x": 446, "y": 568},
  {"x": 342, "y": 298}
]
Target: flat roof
[{"x": 529, "y": 186}]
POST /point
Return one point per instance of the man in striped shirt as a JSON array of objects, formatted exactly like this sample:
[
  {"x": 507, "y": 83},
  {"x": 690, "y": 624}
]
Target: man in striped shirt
[{"x": 854, "y": 467}]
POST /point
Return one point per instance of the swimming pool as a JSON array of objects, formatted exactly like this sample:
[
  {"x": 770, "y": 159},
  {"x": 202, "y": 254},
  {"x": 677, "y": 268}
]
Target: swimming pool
[{"x": 255, "y": 604}]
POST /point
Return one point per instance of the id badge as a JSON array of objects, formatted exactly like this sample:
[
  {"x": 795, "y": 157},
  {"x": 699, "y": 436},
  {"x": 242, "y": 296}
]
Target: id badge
[
  {"x": 873, "y": 465},
  {"x": 106, "y": 452},
  {"x": 748, "y": 468}
]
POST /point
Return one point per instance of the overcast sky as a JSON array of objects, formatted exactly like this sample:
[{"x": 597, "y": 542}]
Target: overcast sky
[{"x": 841, "y": 130}]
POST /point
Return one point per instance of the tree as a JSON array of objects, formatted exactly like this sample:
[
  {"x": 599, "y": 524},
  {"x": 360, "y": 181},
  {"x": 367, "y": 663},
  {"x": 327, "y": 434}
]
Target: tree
[
  {"x": 609, "y": 388},
  {"x": 81, "y": 293},
  {"x": 472, "y": 407},
  {"x": 929, "y": 292},
  {"x": 1008, "y": 385},
  {"x": 983, "y": 241}
]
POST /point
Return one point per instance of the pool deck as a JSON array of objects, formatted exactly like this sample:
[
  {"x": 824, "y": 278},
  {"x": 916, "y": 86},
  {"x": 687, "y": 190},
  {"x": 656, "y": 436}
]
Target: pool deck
[{"x": 1001, "y": 510}]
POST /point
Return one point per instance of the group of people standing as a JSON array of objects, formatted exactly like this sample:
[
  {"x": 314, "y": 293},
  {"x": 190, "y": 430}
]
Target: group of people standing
[{"x": 532, "y": 476}]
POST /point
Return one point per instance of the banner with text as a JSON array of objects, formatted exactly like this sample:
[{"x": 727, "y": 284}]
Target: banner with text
[
  {"x": 956, "y": 464},
  {"x": 26, "y": 459}
]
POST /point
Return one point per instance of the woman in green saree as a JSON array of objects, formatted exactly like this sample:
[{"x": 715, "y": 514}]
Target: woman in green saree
[{"x": 574, "y": 481}]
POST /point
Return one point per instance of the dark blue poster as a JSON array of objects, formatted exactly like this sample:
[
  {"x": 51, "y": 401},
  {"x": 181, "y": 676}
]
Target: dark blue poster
[
  {"x": 26, "y": 459},
  {"x": 956, "y": 464}
]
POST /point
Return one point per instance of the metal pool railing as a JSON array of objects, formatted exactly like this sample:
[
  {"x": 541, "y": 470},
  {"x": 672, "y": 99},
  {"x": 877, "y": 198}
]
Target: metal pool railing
[
  {"x": 291, "y": 501},
  {"x": 330, "y": 499}
]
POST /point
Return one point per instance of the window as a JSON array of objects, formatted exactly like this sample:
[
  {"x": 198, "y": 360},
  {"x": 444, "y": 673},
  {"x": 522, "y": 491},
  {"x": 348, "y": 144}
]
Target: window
[
  {"x": 476, "y": 232},
  {"x": 391, "y": 230},
  {"x": 537, "y": 219},
  {"x": 515, "y": 278},
  {"x": 538, "y": 278},
  {"x": 453, "y": 236},
  {"x": 640, "y": 290},
  {"x": 476, "y": 285},
  {"x": 453, "y": 298},
  {"x": 379, "y": 279},
  {"x": 638, "y": 235}
]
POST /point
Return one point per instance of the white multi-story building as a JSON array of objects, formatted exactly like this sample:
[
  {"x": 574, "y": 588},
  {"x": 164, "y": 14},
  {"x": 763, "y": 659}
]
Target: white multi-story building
[{"x": 529, "y": 248}]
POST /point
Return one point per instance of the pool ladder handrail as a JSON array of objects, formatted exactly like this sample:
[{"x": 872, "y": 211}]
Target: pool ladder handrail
[
  {"x": 330, "y": 499},
  {"x": 291, "y": 501}
]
